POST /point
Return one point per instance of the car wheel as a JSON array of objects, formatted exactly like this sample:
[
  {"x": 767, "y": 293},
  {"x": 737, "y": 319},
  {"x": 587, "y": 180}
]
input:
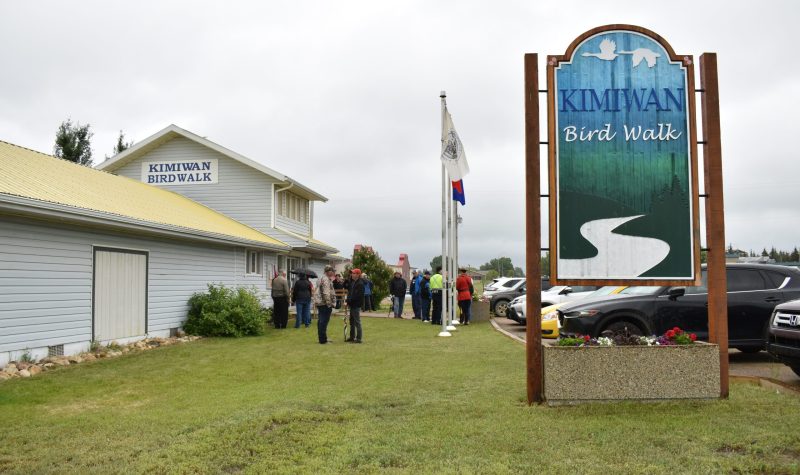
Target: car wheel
[
  {"x": 620, "y": 326},
  {"x": 501, "y": 308}
]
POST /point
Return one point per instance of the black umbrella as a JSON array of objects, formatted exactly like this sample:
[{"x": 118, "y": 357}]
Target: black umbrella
[{"x": 302, "y": 271}]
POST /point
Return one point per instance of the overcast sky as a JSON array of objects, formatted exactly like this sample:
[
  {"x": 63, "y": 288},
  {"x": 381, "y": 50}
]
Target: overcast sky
[{"x": 344, "y": 97}]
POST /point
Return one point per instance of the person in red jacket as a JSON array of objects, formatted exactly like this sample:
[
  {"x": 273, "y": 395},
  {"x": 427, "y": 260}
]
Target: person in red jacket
[{"x": 465, "y": 290}]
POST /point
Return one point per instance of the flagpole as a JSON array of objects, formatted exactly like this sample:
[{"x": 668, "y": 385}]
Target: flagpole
[
  {"x": 451, "y": 298},
  {"x": 443, "y": 332}
]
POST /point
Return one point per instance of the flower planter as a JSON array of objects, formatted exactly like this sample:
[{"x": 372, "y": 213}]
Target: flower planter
[
  {"x": 480, "y": 311},
  {"x": 648, "y": 373}
]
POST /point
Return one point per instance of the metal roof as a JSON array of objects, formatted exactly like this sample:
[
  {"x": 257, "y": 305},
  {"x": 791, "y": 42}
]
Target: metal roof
[{"x": 36, "y": 180}]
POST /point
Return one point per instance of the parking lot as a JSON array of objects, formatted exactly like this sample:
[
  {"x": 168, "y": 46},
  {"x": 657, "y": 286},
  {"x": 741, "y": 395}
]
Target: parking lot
[{"x": 741, "y": 364}]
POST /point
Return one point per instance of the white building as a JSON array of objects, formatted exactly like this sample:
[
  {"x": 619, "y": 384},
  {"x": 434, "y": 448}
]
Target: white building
[{"x": 86, "y": 255}]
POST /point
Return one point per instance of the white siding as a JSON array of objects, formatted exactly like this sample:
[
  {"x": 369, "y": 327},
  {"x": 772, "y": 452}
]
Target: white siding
[
  {"x": 243, "y": 193},
  {"x": 292, "y": 225},
  {"x": 46, "y": 280}
]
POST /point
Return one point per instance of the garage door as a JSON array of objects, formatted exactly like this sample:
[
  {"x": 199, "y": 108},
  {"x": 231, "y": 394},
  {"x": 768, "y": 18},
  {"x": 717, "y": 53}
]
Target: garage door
[{"x": 120, "y": 294}]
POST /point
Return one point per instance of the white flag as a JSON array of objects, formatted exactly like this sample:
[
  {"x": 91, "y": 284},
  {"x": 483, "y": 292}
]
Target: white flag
[{"x": 453, "y": 156}]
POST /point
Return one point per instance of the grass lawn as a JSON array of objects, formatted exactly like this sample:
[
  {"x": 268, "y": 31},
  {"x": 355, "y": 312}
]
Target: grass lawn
[{"x": 403, "y": 402}]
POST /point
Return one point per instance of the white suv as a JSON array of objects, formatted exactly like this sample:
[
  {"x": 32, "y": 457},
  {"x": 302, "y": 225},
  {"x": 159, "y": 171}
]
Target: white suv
[{"x": 502, "y": 285}]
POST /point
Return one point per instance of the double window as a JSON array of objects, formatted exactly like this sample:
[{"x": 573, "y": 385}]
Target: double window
[{"x": 292, "y": 207}]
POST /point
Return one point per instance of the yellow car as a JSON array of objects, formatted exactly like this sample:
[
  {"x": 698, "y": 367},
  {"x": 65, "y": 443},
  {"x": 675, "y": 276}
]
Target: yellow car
[{"x": 550, "y": 315}]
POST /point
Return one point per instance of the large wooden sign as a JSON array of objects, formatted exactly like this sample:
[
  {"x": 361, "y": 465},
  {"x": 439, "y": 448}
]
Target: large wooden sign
[{"x": 623, "y": 166}]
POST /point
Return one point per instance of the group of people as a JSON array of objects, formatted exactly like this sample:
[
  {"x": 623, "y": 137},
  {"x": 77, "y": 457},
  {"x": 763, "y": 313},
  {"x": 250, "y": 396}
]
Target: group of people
[
  {"x": 425, "y": 289},
  {"x": 426, "y": 296}
]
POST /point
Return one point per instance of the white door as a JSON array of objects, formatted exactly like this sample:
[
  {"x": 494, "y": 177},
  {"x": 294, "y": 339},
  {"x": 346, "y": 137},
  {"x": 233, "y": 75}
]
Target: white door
[{"x": 120, "y": 294}]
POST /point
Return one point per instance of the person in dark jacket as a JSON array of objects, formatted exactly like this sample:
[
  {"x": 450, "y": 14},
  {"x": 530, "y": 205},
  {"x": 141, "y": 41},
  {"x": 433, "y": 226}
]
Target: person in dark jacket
[
  {"x": 416, "y": 302},
  {"x": 339, "y": 285},
  {"x": 397, "y": 287},
  {"x": 425, "y": 296},
  {"x": 355, "y": 300},
  {"x": 301, "y": 296}
]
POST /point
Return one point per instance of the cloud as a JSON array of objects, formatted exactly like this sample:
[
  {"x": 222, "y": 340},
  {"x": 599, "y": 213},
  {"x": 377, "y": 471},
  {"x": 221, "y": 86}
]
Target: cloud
[{"x": 343, "y": 96}]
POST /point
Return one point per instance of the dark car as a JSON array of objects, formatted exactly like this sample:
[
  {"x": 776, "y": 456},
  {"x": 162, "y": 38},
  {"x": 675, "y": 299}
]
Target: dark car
[
  {"x": 783, "y": 341},
  {"x": 753, "y": 292},
  {"x": 499, "y": 302}
]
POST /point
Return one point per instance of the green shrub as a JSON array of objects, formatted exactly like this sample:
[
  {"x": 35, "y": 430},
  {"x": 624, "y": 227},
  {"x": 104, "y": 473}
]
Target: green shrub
[{"x": 224, "y": 311}]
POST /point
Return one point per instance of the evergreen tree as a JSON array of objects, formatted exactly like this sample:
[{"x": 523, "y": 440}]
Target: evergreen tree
[
  {"x": 773, "y": 254},
  {"x": 764, "y": 253},
  {"x": 73, "y": 143},
  {"x": 121, "y": 145},
  {"x": 795, "y": 255}
]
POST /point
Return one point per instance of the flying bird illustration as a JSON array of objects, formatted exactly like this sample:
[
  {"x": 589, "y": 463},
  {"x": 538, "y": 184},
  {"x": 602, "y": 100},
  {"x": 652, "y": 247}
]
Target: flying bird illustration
[
  {"x": 606, "y": 53},
  {"x": 641, "y": 53}
]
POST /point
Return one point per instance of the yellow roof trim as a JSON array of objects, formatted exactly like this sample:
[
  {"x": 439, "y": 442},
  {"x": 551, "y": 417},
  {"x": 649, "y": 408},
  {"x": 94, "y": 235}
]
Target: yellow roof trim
[{"x": 37, "y": 176}]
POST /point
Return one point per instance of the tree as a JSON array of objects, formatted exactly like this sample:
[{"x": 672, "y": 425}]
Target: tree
[
  {"x": 73, "y": 143},
  {"x": 544, "y": 265},
  {"x": 764, "y": 253},
  {"x": 436, "y": 262},
  {"x": 491, "y": 275},
  {"x": 376, "y": 269},
  {"x": 502, "y": 265},
  {"x": 773, "y": 254},
  {"x": 121, "y": 145},
  {"x": 795, "y": 255}
]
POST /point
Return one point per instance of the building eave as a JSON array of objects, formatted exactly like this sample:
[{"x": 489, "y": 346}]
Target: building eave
[{"x": 27, "y": 207}]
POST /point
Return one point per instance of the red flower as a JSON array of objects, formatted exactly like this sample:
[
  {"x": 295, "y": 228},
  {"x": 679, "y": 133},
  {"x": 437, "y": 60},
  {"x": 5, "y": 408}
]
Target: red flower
[
  {"x": 677, "y": 330},
  {"x": 586, "y": 338},
  {"x": 692, "y": 336},
  {"x": 670, "y": 334}
]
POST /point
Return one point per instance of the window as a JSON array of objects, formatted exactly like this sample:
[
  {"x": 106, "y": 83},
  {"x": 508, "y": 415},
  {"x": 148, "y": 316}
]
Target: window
[
  {"x": 775, "y": 279},
  {"x": 292, "y": 207},
  {"x": 744, "y": 279},
  {"x": 254, "y": 262}
]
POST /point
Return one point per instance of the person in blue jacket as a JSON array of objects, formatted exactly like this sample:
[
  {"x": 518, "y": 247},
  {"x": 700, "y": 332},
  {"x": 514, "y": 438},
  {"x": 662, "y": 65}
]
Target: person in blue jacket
[
  {"x": 368, "y": 303},
  {"x": 416, "y": 299}
]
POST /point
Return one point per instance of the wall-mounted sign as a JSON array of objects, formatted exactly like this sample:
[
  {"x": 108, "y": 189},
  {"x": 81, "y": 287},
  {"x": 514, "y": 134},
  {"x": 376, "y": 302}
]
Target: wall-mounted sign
[
  {"x": 623, "y": 172},
  {"x": 180, "y": 172}
]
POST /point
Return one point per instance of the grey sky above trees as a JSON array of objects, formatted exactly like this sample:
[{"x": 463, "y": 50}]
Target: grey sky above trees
[{"x": 344, "y": 96}]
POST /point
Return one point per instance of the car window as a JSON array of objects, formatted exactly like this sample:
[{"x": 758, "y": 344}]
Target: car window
[
  {"x": 511, "y": 283},
  {"x": 607, "y": 290},
  {"x": 583, "y": 288},
  {"x": 745, "y": 279},
  {"x": 774, "y": 279}
]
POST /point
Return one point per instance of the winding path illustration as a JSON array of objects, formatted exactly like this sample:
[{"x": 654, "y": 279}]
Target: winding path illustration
[{"x": 618, "y": 256}]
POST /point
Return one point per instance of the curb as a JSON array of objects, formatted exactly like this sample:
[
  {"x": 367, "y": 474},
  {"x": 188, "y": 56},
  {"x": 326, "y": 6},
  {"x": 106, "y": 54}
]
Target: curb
[
  {"x": 506, "y": 333},
  {"x": 768, "y": 383}
]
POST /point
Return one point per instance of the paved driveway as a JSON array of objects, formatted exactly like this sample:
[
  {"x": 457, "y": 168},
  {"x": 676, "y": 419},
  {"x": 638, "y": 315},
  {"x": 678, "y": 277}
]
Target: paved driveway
[{"x": 741, "y": 364}]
